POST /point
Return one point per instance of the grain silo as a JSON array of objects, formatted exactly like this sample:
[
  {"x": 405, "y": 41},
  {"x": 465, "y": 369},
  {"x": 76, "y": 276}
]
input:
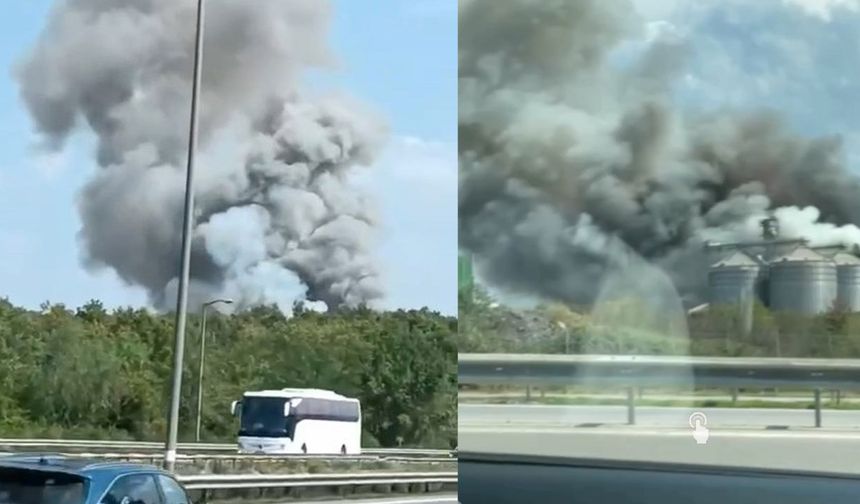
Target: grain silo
[
  {"x": 734, "y": 281},
  {"x": 802, "y": 281},
  {"x": 848, "y": 281}
]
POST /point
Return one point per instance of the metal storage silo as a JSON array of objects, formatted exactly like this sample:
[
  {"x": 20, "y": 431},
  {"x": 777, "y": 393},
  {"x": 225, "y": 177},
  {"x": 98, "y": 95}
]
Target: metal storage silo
[
  {"x": 734, "y": 281},
  {"x": 848, "y": 281},
  {"x": 802, "y": 281}
]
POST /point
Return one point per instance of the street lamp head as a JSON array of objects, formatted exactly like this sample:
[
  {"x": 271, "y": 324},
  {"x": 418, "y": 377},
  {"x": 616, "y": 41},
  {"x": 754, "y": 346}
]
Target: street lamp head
[{"x": 216, "y": 301}]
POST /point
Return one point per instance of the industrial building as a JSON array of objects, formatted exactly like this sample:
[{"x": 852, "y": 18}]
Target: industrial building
[{"x": 784, "y": 275}]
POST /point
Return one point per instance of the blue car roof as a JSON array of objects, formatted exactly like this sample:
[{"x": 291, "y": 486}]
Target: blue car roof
[
  {"x": 99, "y": 475},
  {"x": 87, "y": 468}
]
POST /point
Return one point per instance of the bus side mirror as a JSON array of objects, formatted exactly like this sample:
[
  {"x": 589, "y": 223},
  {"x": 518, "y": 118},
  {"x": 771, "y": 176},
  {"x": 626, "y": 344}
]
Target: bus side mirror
[{"x": 234, "y": 407}]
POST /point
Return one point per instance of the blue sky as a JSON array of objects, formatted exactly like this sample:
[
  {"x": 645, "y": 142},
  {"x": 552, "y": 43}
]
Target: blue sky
[
  {"x": 399, "y": 56},
  {"x": 797, "y": 57}
]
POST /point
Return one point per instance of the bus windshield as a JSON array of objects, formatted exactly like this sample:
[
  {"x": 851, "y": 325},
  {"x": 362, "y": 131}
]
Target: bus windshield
[{"x": 263, "y": 417}]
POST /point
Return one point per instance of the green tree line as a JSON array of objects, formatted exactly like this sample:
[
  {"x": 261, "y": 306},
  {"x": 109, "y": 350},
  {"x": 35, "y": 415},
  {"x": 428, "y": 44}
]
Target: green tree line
[
  {"x": 487, "y": 326},
  {"x": 90, "y": 372}
]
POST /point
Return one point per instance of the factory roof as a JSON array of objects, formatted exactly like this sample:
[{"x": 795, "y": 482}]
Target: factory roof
[
  {"x": 801, "y": 254},
  {"x": 844, "y": 258}
]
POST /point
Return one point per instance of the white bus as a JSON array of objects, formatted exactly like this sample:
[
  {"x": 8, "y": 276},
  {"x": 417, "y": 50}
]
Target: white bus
[{"x": 288, "y": 421}]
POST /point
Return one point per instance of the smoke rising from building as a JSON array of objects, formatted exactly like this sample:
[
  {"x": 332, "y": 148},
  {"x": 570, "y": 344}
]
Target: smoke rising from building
[
  {"x": 573, "y": 161},
  {"x": 276, "y": 211}
]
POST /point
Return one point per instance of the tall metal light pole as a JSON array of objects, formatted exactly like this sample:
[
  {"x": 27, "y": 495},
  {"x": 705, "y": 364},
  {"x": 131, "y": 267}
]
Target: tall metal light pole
[
  {"x": 202, "y": 350},
  {"x": 187, "y": 226}
]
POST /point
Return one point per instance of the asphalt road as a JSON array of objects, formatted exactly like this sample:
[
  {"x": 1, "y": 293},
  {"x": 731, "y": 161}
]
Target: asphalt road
[
  {"x": 808, "y": 450},
  {"x": 649, "y": 416}
]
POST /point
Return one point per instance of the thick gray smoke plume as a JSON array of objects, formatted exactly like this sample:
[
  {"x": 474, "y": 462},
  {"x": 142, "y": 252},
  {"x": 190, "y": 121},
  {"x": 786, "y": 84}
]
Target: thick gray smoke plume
[
  {"x": 274, "y": 207},
  {"x": 572, "y": 161}
]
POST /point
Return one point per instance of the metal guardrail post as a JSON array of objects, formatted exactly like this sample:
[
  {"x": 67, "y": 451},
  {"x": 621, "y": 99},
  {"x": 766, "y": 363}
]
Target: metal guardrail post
[
  {"x": 818, "y": 407},
  {"x": 631, "y": 406}
]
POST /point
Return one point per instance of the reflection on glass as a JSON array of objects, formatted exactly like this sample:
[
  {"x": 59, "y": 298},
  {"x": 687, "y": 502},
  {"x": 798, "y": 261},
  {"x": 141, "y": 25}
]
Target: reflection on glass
[{"x": 652, "y": 218}]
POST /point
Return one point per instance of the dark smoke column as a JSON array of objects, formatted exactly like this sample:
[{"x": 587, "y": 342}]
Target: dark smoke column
[
  {"x": 276, "y": 216},
  {"x": 573, "y": 168}
]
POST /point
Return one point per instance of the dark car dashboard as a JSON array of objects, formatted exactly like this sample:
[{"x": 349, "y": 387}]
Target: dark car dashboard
[{"x": 500, "y": 479}]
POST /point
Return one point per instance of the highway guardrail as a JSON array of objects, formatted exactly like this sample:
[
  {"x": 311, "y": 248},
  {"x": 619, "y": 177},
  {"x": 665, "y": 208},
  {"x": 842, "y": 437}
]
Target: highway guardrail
[
  {"x": 666, "y": 371},
  {"x": 147, "y": 446},
  {"x": 236, "y": 459},
  {"x": 206, "y": 485},
  {"x": 116, "y": 445}
]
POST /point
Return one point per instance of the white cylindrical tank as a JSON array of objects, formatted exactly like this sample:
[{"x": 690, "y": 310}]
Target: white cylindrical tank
[
  {"x": 734, "y": 281},
  {"x": 848, "y": 281},
  {"x": 802, "y": 281}
]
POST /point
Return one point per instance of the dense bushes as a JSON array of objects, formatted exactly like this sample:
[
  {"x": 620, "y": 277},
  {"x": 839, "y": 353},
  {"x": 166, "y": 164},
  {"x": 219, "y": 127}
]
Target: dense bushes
[
  {"x": 487, "y": 326},
  {"x": 93, "y": 373}
]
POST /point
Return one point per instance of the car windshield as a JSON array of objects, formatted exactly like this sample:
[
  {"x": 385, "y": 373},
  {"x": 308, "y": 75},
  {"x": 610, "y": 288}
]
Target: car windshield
[
  {"x": 660, "y": 257},
  {"x": 263, "y": 416},
  {"x": 38, "y": 487}
]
